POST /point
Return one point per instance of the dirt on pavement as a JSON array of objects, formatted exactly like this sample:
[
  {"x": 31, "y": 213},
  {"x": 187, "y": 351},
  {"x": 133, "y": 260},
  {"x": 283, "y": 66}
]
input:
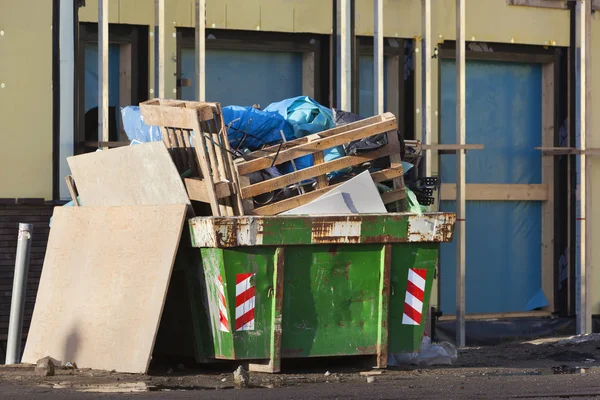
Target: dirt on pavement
[{"x": 534, "y": 369}]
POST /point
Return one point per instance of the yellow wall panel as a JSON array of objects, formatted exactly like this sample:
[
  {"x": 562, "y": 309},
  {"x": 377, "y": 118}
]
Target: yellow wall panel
[
  {"x": 277, "y": 16},
  {"x": 313, "y": 16},
  {"x": 181, "y": 12},
  {"x": 494, "y": 21},
  {"x": 26, "y": 99},
  {"x": 136, "y": 12},
  {"x": 216, "y": 14},
  {"x": 243, "y": 14},
  {"x": 89, "y": 13}
]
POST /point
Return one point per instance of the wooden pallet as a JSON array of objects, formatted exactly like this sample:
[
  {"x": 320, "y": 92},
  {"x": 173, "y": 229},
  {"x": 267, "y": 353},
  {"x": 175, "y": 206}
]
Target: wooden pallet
[
  {"x": 195, "y": 134},
  {"x": 315, "y": 145}
]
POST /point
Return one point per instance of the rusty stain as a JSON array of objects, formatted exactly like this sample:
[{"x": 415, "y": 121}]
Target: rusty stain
[
  {"x": 362, "y": 298},
  {"x": 366, "y": 349},
  {"x": 340, "y": 323},
  {"x": 323, "y": 230},
  {"x": 292, "y": 352},
  {"x": 343, "y": 270}
]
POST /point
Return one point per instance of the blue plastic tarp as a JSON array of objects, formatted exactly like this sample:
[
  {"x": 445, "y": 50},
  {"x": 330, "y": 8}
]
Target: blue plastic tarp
[
  {"x": 136, "y": 129},
  {"x": 306, "y": 117},
  {"x": 251, "y": 128}
]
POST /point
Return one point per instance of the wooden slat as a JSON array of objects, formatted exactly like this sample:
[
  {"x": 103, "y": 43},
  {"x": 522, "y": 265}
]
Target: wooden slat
[
  {"x": 297, "y": 201},
  {"x": 498, "y": 192},
  {"x": 310, "y": 172},
  {"x": 71, "y": 187},
  {"x": 312, "y": 144},
  {"x": 393, "y": 196},
  {"x": 197, "y": 190},
  {"x": 232, "y": 171},
  {"x": 319, "y": 158},
  {"x": 200, "y": 148},
  {"x": 174, "y": 116},
  {"x": 396, "y": 162}
]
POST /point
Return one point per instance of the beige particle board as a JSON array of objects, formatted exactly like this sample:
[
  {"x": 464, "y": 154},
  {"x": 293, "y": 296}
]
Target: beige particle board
[
  {"x": 142, "y": 174},
  {"x": 103, "y": 285}
]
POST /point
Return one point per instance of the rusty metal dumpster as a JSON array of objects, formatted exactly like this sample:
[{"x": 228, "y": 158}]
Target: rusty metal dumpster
[{"x": 309, "y": 286}]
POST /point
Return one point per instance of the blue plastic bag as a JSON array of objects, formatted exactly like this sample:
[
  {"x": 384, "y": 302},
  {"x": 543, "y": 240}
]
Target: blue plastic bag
[
  {"x": 136, "y": 129},
  {"x": 306, "y": 117},
  {"x": 251, "y": 128}
]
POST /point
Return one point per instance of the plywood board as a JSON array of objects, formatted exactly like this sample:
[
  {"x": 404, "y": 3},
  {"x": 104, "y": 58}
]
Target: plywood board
[
  {"x": 103, "y": 285},
  {"x": 143, "y": 174}
]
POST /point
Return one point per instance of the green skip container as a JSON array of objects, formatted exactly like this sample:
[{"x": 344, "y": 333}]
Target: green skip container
[{"x": 278, "y": 287}]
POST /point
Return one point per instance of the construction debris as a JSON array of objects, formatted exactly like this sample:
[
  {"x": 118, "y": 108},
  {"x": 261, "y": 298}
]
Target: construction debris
[
  {"x": 241, "y": 378},
  {"x": 45, "y": 367}
]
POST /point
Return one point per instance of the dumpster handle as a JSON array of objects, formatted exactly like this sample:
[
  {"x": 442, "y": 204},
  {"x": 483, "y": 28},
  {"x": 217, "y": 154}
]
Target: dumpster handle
[
  {"x": 392, "y": 290},
  {"x": 270, "y": 292}
]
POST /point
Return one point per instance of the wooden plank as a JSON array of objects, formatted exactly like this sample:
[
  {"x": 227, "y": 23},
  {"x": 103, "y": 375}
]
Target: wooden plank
[
  {"x": 297, "y": 201},
  {"x": 143, "y": 174},
  {"x": 163, "y": 113},
  {"x": 103, "y": 133},
  {"x": 71, "y": 188},
  {"x": 173, "y": 147},
  {"x": 559, "y": 151},
  {"x": 159, "y": 24},
  {"x": 396, "y": 162},
  {"x": 393, "y": 196},
  {"x": 461, "y": 239},
  {"x": 378, "y": 72},
  {"x": 583, "y": 111},
  {"x": 310, "y": 172},
  {"x": 200, "y": 31},
  {"x": 197, "y": 191},
  {"x": 547, "y": 266},
  {"x": 269, "y": 151},
  {"x": 474, "y": 317},
  {"x": 222, "y": 171},
  {"x": 427, "y": 45},
  {"x": 312, "y": 144},
  {"x": 319, "y": 158},
  {"x": 101, "y": 309},
  {"x": 203, "y": 162},
  {"x": 274, "y": 364},
  {"x": 384, "y": 301},
  {"x": 498, "y": 192},
  {"x": 452, "y": 147},
  {"x": 233, "y": 173}
]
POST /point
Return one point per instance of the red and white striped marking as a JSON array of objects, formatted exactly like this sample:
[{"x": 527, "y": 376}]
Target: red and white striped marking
[
  {"x": 223, "y": 320},
  {"x": 415, "y": 295},
  {"x": 244, "y": 302}
]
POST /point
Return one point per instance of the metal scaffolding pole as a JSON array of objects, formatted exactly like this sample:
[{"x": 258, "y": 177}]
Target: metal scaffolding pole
[
  {"x": 426, "y": 80},
  {"x": 159, "y": 15},
  {"x": 102, "y": 71},
  {"x": 583, "y": 16},
  {"x": 17, "y": 305},
  {"x": 344, "y": 54},
  {"x": 201, "y": 49},
  {"x": 460, "y": 173},
  {"x": 378, "y": 53}
]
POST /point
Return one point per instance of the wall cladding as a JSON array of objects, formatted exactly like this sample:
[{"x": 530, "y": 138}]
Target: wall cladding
[{"x": 10, "y": 216}]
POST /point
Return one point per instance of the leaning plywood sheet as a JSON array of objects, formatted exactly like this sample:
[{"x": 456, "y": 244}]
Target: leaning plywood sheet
[
  {"x": 143, "y": 174},
  {"x": 103, "y": 285}
]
